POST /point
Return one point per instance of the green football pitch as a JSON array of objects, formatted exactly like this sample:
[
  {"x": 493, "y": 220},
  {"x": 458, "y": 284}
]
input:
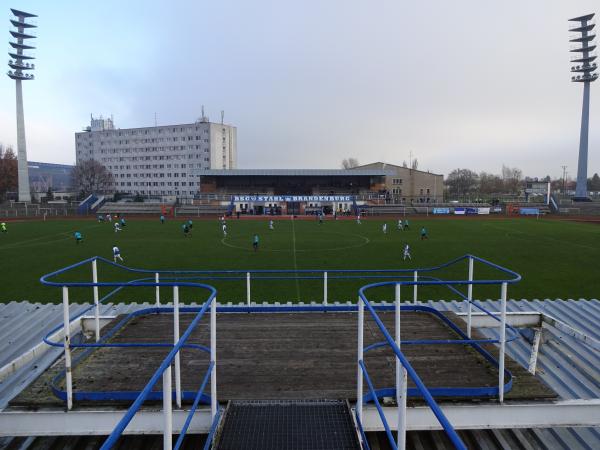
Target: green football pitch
[{"x": 557, "y": 259}]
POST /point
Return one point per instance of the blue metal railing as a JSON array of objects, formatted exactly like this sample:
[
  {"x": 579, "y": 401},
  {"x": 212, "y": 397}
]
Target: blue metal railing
[
  {"x": 401, "y": 390},
  {"x": 165, "y": 367},
  {"x": 404, "y": 277}
]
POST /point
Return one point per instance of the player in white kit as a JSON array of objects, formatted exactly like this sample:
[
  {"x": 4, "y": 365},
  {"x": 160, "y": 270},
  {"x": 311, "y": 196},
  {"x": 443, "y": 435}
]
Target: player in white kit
[
  {"x": 406, "y": 253},
  {"x": 117, "y": 254}
]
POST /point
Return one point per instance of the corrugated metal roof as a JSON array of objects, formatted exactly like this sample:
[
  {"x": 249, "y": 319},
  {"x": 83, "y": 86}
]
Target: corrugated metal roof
[
  {"x": 566, "y": 364},
  {"x": 292, "y": 172}
]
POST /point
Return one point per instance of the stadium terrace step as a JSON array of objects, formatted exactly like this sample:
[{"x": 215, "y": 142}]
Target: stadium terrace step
[{"x": 287, "y": 425}]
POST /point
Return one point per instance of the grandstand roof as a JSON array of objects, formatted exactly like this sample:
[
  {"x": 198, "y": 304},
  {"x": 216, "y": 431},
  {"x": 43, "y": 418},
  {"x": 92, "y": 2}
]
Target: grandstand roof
[
  {"x": 294, "y": 172},
  {"x": 565, "y": 363}
]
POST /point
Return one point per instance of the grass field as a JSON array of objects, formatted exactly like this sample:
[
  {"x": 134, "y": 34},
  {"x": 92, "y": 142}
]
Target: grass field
[{"x": 557, "y": 259}]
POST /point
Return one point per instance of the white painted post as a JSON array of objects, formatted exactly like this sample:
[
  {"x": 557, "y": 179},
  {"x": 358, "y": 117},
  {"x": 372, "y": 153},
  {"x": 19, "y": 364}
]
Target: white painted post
[
  {"x": 96, "y": 304},
  {"x": 157, "y": 280},
  {"x": 213, "y": 358},
  {"x": 416, "y": 278},
  {"x": 248, "y": 288},
  {"x": 175, "y": 340},
  {"x": 469, "y": 297},
  {"x": 400, "y": 387},
  {"x": 67, "y": 342},
  {"x": 502, "y": 341},
  {"x": 359, "y": 374},
  {"x": 167, "y": 410},
  {"x": 534, "y": 350},
  {"x": 325, "y": 288},
  {"x": 402, "y": 407}
]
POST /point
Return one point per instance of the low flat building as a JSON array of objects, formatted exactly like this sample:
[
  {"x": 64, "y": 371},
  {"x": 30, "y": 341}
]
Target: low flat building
[
  {"x": 406, "y": 185},
  {"x": 289, "y": 191}
]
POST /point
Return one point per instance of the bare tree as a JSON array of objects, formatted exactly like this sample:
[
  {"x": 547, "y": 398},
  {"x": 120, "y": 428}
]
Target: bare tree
[
  {"x": 490, "y": 183},
  {"x": 8, "y": 171},
  {"x": 414, "y": 165},
  {"x": 461, "y": 182},
  {"x": 91, "y": 177},
  {"x": 512, "y": 179},
  {"x": 350, "y": 163}
]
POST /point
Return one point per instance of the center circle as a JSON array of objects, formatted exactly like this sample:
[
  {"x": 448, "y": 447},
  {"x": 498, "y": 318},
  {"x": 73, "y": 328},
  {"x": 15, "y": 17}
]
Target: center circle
[{"x": 345, "y": 241}]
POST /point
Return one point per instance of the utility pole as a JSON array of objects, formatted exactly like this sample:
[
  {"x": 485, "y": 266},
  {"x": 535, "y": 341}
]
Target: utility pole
[{"x": 564, "y": 168}]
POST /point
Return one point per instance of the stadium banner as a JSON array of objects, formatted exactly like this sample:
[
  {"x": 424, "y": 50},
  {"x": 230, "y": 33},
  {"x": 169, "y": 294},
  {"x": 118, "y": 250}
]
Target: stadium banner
[
  {"x": 293, "y": 198},
  {"x": 471, "y": 211},
  {"x": 460, "y": 211},
  {"x": 483, "y": 210},
  {"x": 441, "y": 210},
  {"x": 529, "y": 211}
]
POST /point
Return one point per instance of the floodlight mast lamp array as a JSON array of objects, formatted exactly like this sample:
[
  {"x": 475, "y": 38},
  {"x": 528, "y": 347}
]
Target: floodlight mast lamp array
[
  {"x": 584, "y": 71},
  {"x": 20, "y": 71}
]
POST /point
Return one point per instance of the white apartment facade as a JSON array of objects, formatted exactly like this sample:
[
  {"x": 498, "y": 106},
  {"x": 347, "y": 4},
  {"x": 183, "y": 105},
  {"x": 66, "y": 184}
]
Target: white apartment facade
[{"x": 158, "y": 161}]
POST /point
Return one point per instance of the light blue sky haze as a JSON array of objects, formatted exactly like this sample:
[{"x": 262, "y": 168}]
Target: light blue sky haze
[{"x": 460, "y": 83}]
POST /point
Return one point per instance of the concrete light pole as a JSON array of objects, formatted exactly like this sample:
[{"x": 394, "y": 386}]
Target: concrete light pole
[
  {"x": 585, "y": 68},
  {"x": 18, "y": 66}
]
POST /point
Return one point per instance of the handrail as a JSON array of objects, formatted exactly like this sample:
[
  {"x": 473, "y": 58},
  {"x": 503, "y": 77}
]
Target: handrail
[
  {"x": 134, "y": 408},
  {"x": 163, "y": 370},
  {"x": 402, "y": 363}
]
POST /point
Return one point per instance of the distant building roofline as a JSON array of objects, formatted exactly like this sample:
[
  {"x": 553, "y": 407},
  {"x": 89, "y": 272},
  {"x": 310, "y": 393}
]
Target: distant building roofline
[
  {"x": 396, "y": 165},
  {"x": 292, "y": 172}
]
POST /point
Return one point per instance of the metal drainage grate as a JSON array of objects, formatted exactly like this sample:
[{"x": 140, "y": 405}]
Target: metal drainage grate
[{"x": 288, "y": 425}]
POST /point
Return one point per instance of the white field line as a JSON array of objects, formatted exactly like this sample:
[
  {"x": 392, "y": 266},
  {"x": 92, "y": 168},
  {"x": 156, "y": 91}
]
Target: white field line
[{"x": 295, "y": 260}]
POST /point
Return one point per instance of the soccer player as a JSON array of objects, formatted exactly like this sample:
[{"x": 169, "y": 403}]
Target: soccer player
[
  {"x": 400, "y": 225},
  {"x": 190, "y": 224},
  {"x": 117, "y": 254},
  {"x": 123, "y": 222},
  {"x": 117, "y": 227},
  {"x": 358, "y": 219},
  {"x": 186, "y": 230},
  {"x": 162, "y": 219},
  {"x": 384, "y": 228},
  {"x": 424, "y": 233},
  {"x": 406, "y": 253},
  {"x": 108, "y": 218},
  {"x": 320, "y": 218},
  {"x": 224, "y": 229},
  {"x": 100, "y": 218},
  {"x": 406, "y": 227},
  {"x": 3, "y": 227},
  {"x": 255, "y": 242},
  {"x": 271, "y": 225},
  {"x": 78, "y": 237}
]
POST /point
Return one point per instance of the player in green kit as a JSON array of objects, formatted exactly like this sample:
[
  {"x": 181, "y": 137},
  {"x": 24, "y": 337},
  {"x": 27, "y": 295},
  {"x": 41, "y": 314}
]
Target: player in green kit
[
  {"x": 78, "y": 237},
  {"x": 3, "y": 227},
  {"x": 255, "y": 242}
]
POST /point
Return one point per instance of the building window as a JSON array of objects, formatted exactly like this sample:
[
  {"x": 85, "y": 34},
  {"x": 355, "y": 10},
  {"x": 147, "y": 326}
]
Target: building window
[{"x": 396, "y": 181}]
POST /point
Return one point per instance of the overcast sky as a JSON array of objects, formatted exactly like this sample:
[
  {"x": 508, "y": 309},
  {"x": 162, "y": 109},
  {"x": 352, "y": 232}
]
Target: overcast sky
[{"x": 464, "y": 83}]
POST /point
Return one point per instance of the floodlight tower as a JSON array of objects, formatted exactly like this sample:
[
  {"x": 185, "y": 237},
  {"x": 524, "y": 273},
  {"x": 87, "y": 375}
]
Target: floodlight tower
[
  {"x": 20, "y": 73},
  {"x": 585, "y": 70}
]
